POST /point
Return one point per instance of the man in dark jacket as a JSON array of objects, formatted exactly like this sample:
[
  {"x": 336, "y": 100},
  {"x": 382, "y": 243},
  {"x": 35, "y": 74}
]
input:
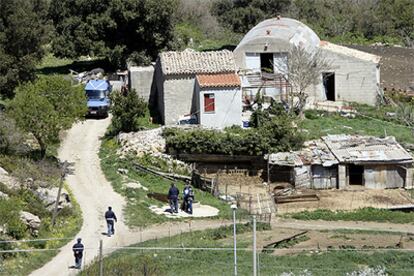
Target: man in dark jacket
[
  {"x": 188, "y": 199},
  {"x": 78, "y": 253},
  {"x": 173, "y": 198},
  {"x": 110, "y": 221}
]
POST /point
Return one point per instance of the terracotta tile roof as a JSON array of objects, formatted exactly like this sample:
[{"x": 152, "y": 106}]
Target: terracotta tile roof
[
  {"x": 218, "y": 80},
  {"x": 192, "y": 62}
]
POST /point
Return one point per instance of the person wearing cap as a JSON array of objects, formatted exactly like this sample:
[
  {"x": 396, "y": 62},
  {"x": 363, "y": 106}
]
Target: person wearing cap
[
  {"x": 110, "y": 218},
  {"x": 78, "y": 253}
]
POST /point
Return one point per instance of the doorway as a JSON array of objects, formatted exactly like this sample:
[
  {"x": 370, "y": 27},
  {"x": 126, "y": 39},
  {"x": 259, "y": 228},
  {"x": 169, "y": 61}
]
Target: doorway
[
  {"x": 329, "y": 85},
  {"x": 266, "y": 62},
  {"x": 356, "y": 174}
]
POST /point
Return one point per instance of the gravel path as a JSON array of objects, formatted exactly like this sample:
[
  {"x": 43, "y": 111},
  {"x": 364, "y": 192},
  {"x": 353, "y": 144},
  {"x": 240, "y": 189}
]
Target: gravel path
[{"x": 94, "y": 194}]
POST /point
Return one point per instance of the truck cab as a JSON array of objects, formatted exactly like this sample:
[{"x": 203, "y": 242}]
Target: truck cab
[{"x": 97, "y": 92}]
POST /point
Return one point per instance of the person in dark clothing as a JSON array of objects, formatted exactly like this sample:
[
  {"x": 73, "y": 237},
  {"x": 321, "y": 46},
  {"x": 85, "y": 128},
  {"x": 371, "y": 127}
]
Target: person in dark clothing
[
  {"x": 78, "y": 253},
  {"x": 188, "y": 199},
  {"x": 110, "y": 221},
  {"x": 173, "y": 198}
]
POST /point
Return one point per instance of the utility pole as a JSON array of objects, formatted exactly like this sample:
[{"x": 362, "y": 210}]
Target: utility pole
[
  {"x": 62, "y": 177},
  {"x": 100, "y": 258},
  {"x": 254, "y": 247},
  {"x": 234, "y": 208}
]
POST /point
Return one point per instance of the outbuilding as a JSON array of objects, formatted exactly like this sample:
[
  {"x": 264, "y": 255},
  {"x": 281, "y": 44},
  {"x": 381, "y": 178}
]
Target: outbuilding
[{"x": 342, "y": 161}]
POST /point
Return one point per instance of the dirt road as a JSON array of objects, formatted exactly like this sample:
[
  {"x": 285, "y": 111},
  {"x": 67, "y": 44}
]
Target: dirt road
[{"x": 94, "y": 194}]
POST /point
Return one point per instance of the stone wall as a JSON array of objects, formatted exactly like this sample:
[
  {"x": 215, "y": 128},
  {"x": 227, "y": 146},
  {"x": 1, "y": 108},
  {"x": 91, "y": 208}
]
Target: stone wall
[
  {"x": 141, "y": 79},
  {"x": 178, "y": 97}
]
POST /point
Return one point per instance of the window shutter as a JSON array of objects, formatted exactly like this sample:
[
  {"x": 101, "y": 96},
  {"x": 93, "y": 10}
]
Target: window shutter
[{"x": 209, "y": 103}]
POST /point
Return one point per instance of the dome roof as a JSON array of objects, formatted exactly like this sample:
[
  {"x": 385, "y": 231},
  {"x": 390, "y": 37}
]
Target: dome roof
[{"x": 286, "y": 29}]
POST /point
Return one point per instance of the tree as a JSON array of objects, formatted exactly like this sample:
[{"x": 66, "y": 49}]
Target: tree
[
  {"x": 242, "y": 15},
  {"x": 128, "y": 111},
  {"x": 304, "y": 70},
  {"x": 116, "y": 30},
  {"x": 23, "y": 30},
  {"x": 46, "y": 107}
]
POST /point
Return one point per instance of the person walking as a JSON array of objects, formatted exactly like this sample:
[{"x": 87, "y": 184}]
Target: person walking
[
  {"x": 173, "y": 193},
  {"x": 110, "y": 221},
  {"x": 78, "y": 253}
]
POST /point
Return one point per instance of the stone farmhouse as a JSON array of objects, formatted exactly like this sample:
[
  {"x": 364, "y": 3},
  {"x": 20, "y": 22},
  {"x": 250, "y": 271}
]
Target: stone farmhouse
[{"x": 216, "y": 89}]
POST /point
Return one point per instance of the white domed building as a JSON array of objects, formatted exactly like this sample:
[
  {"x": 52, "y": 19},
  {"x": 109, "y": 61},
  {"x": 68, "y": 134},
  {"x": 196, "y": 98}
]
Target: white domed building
[{"x": 353, "y": 75}]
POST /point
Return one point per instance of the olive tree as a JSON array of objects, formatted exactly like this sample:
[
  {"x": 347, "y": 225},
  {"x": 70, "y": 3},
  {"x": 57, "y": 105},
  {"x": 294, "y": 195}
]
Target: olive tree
[
  {"x": 46, "y": 107},
  {"x": 304, "y": 70}
]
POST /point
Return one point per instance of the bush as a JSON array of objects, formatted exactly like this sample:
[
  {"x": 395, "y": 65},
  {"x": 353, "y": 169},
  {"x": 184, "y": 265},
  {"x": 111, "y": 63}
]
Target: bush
[
  {"x": 5, "y": 246},
  {"x": 128, "y": 112},
  {"x": 276, "y": 134}
]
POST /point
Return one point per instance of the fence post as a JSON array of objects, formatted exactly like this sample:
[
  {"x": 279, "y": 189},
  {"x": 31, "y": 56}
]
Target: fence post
[
  {"x": 254, "y": 247},
  {"x": 100, "y": 258}
]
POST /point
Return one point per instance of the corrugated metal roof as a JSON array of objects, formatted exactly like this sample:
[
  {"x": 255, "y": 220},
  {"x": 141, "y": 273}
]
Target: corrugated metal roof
[
  {"x": 349, "y": 149},
  {"x": 349, "y": 52},
  {"x": 218, "y": 80},
  {"x": 192, "y": 62},
  {"x": 291, "y": 30},
  {"x": 315, "y": 152}
]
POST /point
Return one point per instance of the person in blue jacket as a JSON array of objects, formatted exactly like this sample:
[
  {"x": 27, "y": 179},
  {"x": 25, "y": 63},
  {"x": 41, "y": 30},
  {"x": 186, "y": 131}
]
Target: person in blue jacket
[
  {"x": 173, "y": 198},
  {"x": 78, "y": 253},
  {"x": 110, "y": 218}
]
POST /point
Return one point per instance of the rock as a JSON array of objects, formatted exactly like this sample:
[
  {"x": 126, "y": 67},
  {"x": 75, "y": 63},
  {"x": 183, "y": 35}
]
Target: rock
[
  {"x": 3, "y": 171},
  {"x": 123, "y": 171},
  {"x": 135, "y": 185},
  {"x": 48, "y": 196},
  {"x": 32, "y": 221},
  {"x": 10, "y": 181},
  {"x": 3, "y": 195}
]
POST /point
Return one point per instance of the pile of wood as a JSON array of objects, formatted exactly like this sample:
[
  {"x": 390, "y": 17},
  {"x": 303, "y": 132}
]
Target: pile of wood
[{"x": 287, "y": 194}]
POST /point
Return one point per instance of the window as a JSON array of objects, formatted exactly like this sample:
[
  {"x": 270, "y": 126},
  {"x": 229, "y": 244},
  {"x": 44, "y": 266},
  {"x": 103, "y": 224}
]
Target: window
[{"x": 209, "y": 102}]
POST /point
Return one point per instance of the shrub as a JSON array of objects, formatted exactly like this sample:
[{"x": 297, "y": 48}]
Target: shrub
[
  {"x": 277, "y": 134},
  {"x": 5, "y": 246},
  {"x": 128, "y": 112}
]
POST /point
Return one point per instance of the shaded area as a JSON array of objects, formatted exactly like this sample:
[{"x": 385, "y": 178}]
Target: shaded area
[{"x": 78, "y": 66}]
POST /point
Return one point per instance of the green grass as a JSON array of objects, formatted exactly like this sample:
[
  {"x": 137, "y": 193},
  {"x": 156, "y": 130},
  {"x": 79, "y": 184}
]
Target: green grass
[
  {"x": 137, "y": 211},
  {"x": 204, "y": 262},
  {"x": 363, "y": 214},
  {"x": 66, "y": 227},
  {"x": 319, "y": 124}
]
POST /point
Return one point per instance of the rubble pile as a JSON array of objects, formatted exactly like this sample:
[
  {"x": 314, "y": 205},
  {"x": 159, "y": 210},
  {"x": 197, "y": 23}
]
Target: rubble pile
[
  {"x": 141, "y": 142},
  {"x": 148, "y": 143}
]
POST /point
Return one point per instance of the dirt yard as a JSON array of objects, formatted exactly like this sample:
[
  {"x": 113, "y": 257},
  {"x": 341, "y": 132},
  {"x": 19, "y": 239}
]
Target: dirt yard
[
  {"x": 350, "y": 199},
  {"x": 324, "y": 240},
  {"x": 397, "y": 66}
]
